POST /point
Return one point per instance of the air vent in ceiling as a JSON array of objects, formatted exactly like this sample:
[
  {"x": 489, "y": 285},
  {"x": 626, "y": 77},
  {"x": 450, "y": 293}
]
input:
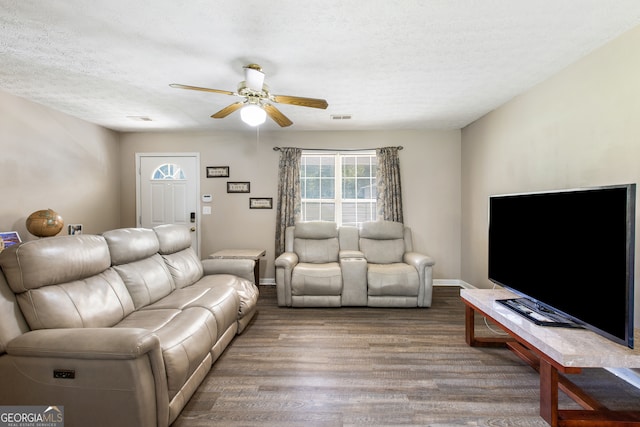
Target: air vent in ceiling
[
  {"x": 341, "y": 117},
  {"x": 140, "y": 118}
]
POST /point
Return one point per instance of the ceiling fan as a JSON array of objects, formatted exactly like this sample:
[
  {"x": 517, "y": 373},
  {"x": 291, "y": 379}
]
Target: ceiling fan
[{"x": 256, "y": 104}]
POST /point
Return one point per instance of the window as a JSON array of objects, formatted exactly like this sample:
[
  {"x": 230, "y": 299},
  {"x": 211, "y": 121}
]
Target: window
[
  {"x": 338, "y": 187},
  {"x": 168, "y": 171}
]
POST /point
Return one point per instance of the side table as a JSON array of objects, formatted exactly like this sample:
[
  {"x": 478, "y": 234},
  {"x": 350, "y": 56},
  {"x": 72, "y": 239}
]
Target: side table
[{"x": 252, "y": 254}]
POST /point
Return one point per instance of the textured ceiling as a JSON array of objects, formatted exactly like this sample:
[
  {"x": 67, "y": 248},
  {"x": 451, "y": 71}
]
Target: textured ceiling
[{"x": 390, "y": 64}]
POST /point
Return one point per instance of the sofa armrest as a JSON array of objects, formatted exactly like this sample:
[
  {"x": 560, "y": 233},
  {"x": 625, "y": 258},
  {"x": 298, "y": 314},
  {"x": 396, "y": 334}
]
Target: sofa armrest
[
  {"x": 423, "y": 264},
  {"x": 85, "y": 343},
  {"x": 284, "y": 264},
  {"x": 418, "y": 260},
  {"x": 287, "y": 260},
  {"x": 121, "y": 368},
  {"x": 354, "y": 278},
  {"x": 238, "y": 267},
  {"x": 350, "y": 254}
]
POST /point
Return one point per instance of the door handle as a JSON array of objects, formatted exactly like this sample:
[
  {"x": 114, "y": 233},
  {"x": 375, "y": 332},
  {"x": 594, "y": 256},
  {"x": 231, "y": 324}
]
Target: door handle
[{"x": 193, "y": 229}]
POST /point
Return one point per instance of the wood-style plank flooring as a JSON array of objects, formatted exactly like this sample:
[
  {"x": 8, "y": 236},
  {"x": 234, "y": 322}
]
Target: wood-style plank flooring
[{"x": 375, "y": 367}]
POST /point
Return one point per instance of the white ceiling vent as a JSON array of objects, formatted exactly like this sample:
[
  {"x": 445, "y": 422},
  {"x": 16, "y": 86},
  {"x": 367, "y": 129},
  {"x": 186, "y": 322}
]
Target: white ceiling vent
[
  {"x": 140, "y": 118},
  {"x": 341, "y": 117}
]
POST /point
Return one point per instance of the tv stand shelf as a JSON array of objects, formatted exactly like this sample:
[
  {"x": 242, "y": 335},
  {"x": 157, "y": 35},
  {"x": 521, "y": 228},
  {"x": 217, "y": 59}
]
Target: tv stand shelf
[{"x": 551, "y": 352}]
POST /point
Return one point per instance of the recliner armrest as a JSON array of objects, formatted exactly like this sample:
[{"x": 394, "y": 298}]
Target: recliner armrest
[
  {"x": 85, "y": 343},
  {"x": 286, "y": 260},
  {"x": 238, "y": 267},
  {"x": 122, "y": 368},
  {"x": 418, "y": 260}
]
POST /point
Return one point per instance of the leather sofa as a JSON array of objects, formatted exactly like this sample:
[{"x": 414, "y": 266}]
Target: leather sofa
[
  {"x": 374, "y": 265},
  {"x": 118, "y": 328}
]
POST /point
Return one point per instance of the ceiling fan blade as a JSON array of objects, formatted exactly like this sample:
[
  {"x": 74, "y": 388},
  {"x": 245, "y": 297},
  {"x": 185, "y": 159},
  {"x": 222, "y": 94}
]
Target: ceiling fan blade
[
  {"x": 204, "y": 89},
  {"x": 227, "y": 110},
  {"x": 303, "y": 102},
  {"x": 277, "y": 116}
]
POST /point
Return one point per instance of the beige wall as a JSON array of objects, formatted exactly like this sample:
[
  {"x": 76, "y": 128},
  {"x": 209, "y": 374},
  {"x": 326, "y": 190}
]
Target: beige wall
[
  {"x": 87, "y": 174},
  {"x": 579, "y": 128},
  {"x": 430, "y": 165},
  {"x": 52, "y": 160}
]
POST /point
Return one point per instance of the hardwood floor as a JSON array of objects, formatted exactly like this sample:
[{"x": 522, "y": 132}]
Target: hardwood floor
[{"x": 375, "y": 367}]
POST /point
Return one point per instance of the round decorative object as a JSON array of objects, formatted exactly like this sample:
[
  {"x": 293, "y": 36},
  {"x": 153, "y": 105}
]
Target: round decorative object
[{"x": 44, "y": 223}]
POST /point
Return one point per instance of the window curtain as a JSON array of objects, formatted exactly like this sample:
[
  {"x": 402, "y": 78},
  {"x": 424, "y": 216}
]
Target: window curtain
[
  {"x": 288, "y": 206},
  {"x": 389, "y": 199}
]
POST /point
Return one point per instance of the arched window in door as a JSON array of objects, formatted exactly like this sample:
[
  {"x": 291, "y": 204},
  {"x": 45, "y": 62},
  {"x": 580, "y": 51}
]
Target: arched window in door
[{"x": 168, "y": 171}]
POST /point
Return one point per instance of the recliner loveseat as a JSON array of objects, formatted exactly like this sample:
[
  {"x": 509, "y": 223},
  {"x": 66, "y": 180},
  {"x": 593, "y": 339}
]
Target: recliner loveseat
[
  {"x": 118, "y": 328},
  {"x": 373, "y": 265}
]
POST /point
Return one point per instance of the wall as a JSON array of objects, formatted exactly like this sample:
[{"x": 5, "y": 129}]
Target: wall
[
  {"x": 52, "y": 160},
  {"x": 580, "y": 128},
  {"x": 430, "y": 165}
]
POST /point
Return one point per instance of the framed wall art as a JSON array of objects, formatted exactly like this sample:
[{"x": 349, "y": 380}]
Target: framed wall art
[
  {"x": 260, "y": 203},
  {"x": 74, "y": 229},
  {"x": 217, "y": 171},
  {"x": 10, "y": 238},
  {"x": 238, "y": 187}
]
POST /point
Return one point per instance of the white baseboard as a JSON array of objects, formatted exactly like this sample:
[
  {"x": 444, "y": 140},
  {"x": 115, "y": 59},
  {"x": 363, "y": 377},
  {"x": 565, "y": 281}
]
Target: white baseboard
[
  {"x": 452, "y": 282},
  {"x": 270, "y": 281}
]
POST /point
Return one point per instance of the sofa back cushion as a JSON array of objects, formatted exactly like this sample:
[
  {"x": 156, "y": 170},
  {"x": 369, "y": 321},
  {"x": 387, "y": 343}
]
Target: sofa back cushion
[
  {"x": 382, "y": 242},
  {"x": 134, "y": 255},
  {"x": 316, "y": 242},
  {"x": 175, "y": 248},
  {"x": 66, "y": 282},
  {"x": 12, "y": 322}
]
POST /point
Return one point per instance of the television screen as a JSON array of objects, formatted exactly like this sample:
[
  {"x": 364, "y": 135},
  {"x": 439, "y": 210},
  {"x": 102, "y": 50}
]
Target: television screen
[{"x": 570, "y": 252}]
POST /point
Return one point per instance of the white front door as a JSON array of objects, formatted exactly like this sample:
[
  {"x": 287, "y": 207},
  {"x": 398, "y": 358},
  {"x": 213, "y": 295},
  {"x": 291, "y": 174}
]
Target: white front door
[{"x": 167, "y": 191}]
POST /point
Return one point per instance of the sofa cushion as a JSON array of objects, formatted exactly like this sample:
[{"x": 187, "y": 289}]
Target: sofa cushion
[
  {"x": 382, "y": 230},
  {"x": 184, "y": 266},
  {"x": 246, "y": 291},
  {"x": 12, "y": 322},
  {"x": 97, "y": 301},
  {"x": 148, "y": 280},
  {"x": 65, "y": 282},
  {"x": 186, "y": 338},
  {"x": 316, "y": 279},
  {"x": 382, "y": 251},
  {"x": 131, "y": 244},
  {"x": 316, "y": 241},
  {"x": 221, "y": 301},
  {"x": 175, "y": 247},
  {"x": 317, "y": 251},
  {"x": 54, "y": 260},
  {"x": 392, "y": 280},
  {"x": 173, "y": 238},
  {"x": 382, "y": 242}
]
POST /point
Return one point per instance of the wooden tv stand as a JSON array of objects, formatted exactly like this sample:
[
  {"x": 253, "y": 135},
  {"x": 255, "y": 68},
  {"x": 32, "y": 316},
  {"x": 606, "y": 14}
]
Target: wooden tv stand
[{"x": 552, "y": 352}]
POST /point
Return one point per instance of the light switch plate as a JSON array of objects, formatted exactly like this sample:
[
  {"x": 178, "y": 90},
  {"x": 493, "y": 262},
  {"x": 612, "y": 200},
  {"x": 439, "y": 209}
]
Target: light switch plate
[{"x": 206, "y": 210}]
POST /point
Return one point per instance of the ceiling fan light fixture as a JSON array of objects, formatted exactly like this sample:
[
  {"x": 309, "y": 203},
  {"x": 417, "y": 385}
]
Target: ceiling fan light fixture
[
  {"x": 253, "y": 115},
  {"x": 254, "y": 77}
]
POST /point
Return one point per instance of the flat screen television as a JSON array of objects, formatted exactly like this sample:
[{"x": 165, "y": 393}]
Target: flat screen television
[{"x": 569, "y": 257}]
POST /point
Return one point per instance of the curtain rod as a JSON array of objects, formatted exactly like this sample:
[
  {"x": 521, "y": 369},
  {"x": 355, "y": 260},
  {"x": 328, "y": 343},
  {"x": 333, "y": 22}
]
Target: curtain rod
[{"x": 400, "y": 147}]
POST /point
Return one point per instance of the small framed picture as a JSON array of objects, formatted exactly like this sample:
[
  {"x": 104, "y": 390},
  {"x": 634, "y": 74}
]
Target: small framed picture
[
  {"x": 217, "y": 171},
  {"x": 238, "y": 187},
  {"x": 10, "y": 238},
  {"x": 74, "y": 229},
  {"x": 260, "y": 203}
]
